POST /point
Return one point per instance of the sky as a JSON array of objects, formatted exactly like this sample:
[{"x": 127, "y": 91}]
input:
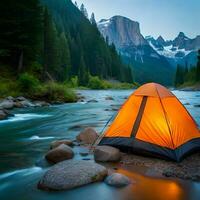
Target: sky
[{"x": 156, "y": 17}]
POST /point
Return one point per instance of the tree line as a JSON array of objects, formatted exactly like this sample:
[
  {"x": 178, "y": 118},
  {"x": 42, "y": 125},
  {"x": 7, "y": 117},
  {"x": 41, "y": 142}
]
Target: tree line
[
  {"x": 186, "y": 74},
  {"x": 56, "y": 40}
]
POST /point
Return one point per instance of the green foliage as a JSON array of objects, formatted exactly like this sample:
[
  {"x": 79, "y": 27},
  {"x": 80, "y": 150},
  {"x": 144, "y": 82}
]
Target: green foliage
[
  {"x": 89, "y": 53},
  {"x": 56, "y": 92},
  {"x": 83, "y": 74},
  {"x": 188, "y": 76},
  {"x": 28, "y": 83},
  {"x": 20, "y": 34},
  {"x": 41, "y": 42},
  {"x": 74, "y": 82},
  {"x": 179, "y": 79},
  {"x": 96, "y": 83},
  {"x": 8, "y": 88}
]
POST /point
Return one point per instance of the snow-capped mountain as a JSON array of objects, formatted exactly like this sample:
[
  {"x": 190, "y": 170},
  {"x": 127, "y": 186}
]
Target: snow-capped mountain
[
  {"x": 180, "y": 50},
  {"x": 136, "y": 50}
]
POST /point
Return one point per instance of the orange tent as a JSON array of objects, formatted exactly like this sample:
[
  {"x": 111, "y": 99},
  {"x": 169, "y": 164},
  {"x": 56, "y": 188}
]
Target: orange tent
[{"x": 154, "y": 122}]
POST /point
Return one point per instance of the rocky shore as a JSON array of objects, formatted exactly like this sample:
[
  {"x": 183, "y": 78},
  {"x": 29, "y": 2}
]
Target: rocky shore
[
  {"x": 188, "y": 169},
  {"x": 101, "y": 163},
  {"x": 9, "y": 103},
  {"x": 66, "y": 172}
]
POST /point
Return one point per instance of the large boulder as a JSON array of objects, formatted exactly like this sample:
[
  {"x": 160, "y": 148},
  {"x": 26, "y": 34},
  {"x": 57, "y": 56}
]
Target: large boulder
[
  {"x": 61, "y": 153},
  {"x": 57, "y": 143},
  {"x": 7, "y": 104},
  {"x": 87, "y": 136},
  {"x": 106, "y": 154},
  {"x": 71, "y": 174},
  {"x": 117, "y": 180}
]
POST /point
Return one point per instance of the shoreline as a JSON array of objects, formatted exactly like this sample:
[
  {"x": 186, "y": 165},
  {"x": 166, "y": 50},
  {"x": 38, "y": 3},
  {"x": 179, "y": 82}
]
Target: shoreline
[{"x": 194, "y": 88}]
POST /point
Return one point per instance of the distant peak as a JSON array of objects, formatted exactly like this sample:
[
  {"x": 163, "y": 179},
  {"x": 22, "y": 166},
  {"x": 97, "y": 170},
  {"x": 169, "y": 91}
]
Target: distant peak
[
  {"x": 148, "y": 37},
  {"x": 161, "y": 39},
  {"x": 181, "y": 34}
]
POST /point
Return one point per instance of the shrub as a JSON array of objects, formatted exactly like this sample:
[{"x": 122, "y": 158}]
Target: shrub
[
  {"x": 28, "y": 83},
  {"x": 8, "y": 88},
  {"x": 95, "y": 83},
  {"x": 56, "y": 92},
  {"x": 74, "y": 82}
]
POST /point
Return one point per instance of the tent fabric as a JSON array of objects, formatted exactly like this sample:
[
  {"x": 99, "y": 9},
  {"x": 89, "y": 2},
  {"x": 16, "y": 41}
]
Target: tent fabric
[{"x": 154, "y": 122}]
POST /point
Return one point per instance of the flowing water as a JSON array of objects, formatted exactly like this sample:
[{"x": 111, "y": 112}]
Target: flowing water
[{"x": 25, "y": 138}]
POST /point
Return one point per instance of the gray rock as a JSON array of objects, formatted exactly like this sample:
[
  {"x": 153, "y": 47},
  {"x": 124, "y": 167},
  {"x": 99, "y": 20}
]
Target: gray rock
[
  {"x": 117, "y": 180},
  {"x": 8, "y": 113},
  {"x": 71, "y": 174},
  {"x": 57, "y": 143},
  {"x": 21, "y": 99},
  {"x": 87, "y": 136},
  {"x": 92, "y": 101},
  {"x": 106, "y": 154},
  {"x": 23, "y": 104},
  {"x": 109, "y": 98},
  {"x": 198, "y": 105},
  {"x": 27, "y": 103},
  {"x": 2, "y": 115},
  {"x": 41, "y": 104},
  {"x": 7, "y": 104},
  {"x": 10, "y": 98},
  {"x": 63, "y": 152}
]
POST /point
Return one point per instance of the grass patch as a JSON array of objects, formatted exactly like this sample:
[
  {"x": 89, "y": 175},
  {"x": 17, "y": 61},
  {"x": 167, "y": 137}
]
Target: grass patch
[
  {"x": 29, "y": 86},
  {"x": 55, "y": 92},
  {"x": 99, "y": 84},
  {"x": 190, "y": 84}
]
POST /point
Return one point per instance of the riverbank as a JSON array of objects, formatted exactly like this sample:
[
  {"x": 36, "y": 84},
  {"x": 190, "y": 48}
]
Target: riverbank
[
  {"x": 189, "y": 87},
  {"x": 25, "y": 139}
]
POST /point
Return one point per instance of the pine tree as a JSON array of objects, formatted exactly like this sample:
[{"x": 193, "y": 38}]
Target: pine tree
[
  {"x": 20, "y": 34},
  {"x": 198, "y": 67},
  {"x": 92, "y": 19},
  {"x": 83, "y": 75},
  {"x": 179, "y": 78},
  {"x": 51, "y": 49},
  {"x": 84, "y": 10},
  {"x": 186, "y": 71},
  {"x": 64, "y": 67}
]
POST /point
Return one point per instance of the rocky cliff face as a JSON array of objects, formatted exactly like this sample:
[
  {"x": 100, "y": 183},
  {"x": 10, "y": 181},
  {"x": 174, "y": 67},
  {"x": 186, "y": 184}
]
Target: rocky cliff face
[{"x": 122, "y": 32}]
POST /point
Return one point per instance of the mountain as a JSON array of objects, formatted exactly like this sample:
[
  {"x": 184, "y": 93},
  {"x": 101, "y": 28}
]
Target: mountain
[
  {"x": 135, "y": 50},
  {"x": 181, "y": 50},
  {"x": 122, "y": 32}
]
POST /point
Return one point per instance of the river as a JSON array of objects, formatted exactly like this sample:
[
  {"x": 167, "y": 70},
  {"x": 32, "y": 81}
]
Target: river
[{"x": 25, "y": 138}]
